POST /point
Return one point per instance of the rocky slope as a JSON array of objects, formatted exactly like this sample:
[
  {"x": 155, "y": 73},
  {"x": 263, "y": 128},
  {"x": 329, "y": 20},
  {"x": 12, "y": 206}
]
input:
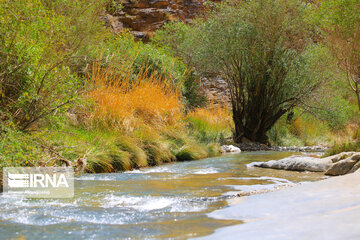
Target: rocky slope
[{"x": 143, "y": 17}]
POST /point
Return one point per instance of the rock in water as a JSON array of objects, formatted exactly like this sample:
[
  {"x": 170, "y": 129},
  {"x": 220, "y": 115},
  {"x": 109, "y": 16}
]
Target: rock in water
[
  {"x": 297, "y": 163},
  {"x": 341, "y": 167},
  {"x": 230, "y": 149},
  {"x": 339, "y": 164}
]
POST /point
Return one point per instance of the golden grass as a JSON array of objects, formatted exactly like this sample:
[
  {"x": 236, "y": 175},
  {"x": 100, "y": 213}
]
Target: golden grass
[
  {"x": 217, "y": 117},
  {"x": 126, "y": 101}
]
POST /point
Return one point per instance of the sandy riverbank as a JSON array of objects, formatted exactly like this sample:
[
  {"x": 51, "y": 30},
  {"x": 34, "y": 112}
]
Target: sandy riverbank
[{"x": 328, "y": 209}]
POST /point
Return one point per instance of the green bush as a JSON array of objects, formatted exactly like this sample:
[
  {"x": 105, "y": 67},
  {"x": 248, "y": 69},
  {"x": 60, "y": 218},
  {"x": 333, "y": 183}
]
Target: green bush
[
  {"x": 37, "y": 55},
  {"x": 18, "y": 149}
]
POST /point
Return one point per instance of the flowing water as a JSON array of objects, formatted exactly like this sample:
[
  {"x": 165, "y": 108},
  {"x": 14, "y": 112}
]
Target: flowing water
[{"x": 169, "y": 201}]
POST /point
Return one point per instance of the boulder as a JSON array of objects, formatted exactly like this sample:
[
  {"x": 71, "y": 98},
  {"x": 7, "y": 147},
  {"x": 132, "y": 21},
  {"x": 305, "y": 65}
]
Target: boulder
[
  {"x": 341, "y": 167},
  {"x": 339, "y": 164},
  {"x": 355, "y": 167},
  {"x": 355, "y": 157},
  {"x": 340, "y": 156},
  {"x": 297, "y": 163},
  {"x": 230, "y": 149}
]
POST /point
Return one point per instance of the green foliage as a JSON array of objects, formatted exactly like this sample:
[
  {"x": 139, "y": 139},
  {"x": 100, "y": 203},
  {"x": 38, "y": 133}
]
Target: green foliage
[
  {"x": 264, "y": 51},
  {"x": 213, "y": 149},
  {"x": 304, "y": 129},
  {"x": 172, "y": 37},
  {"x": 338, "y": 21},
  {"x": 206, "y": 132},
  {"x": 114, "y": 7},
  {"x": 339, "y": 15},
  {"x": 18, "y": 149},
  {"x": 40, "y": 42},
  {"x": 126, "y": 51},
  {"x": 349, "y": 145},
  {"x": 192, "y": 98}
]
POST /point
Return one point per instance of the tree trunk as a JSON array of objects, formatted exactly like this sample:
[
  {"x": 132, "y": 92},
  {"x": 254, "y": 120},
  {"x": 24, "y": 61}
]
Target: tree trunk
[
  {"x": 253, "y": 126},
  {"x": 357, "y": 92}
]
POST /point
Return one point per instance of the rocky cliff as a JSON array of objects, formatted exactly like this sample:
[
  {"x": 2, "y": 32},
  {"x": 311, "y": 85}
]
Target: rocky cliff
[
  {"x": 216, "y": 90},
  {"x": 145, "y": 16}
]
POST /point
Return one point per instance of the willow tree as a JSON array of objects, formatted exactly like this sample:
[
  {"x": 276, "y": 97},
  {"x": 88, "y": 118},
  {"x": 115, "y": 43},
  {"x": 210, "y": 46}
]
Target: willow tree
[
  {"x": 340, "y": 22},
  {"x": 263, "y": 50}
]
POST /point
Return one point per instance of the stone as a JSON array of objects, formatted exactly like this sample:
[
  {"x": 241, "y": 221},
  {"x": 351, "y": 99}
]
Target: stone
[
  {"x": 230, "y": 149},
  {"x": 297, "y": 163},
  {"x": 355, "y": 167},
  {"x": 341, "y": 156},
  {"x": 355, "y": 157},
  {"x": 341, "y": 167}
]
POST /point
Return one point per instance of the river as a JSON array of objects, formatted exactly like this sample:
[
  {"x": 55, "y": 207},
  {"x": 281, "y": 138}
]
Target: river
[{"x": 169, "y": 201}]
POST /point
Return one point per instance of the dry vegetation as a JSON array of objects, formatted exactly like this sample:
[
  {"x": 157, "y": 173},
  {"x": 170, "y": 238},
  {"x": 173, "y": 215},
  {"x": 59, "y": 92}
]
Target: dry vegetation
[{"x": 126, "y": 102}]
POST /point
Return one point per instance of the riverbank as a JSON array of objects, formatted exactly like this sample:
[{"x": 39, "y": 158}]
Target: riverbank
[
  {"x": 99, "y": 149},
  {"x": 253, "y": 146},
  {"x": 327, "y": 209}
]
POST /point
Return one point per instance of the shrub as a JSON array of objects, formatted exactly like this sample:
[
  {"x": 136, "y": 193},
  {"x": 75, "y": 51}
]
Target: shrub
[
  {"x": 17, "y": 148},
  {"x": 123, "y": 50},
  {"x": 37, "y": 54}
]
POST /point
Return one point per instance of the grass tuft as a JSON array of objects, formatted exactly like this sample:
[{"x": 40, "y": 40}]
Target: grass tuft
[
  {"x": 137, "y": 155},
  {"x": 191, "y": 152}
]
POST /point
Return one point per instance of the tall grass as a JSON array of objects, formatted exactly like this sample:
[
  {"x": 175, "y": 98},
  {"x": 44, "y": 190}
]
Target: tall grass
[
  {"x": 126, "y": 101},
  {"x": 211, "y": 124}
]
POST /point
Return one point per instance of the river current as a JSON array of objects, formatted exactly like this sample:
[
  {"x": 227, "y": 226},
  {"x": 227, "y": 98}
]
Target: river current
[{"x": 164, "y": 202}]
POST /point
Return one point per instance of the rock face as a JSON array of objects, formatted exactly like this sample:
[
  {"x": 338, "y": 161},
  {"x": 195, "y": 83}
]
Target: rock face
[
  {"x": 230, "y": 149},
  {"x": 145, "y": 16},
  {"x": 216, "y": 90},
  {"x": 340, "y": 164}
]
